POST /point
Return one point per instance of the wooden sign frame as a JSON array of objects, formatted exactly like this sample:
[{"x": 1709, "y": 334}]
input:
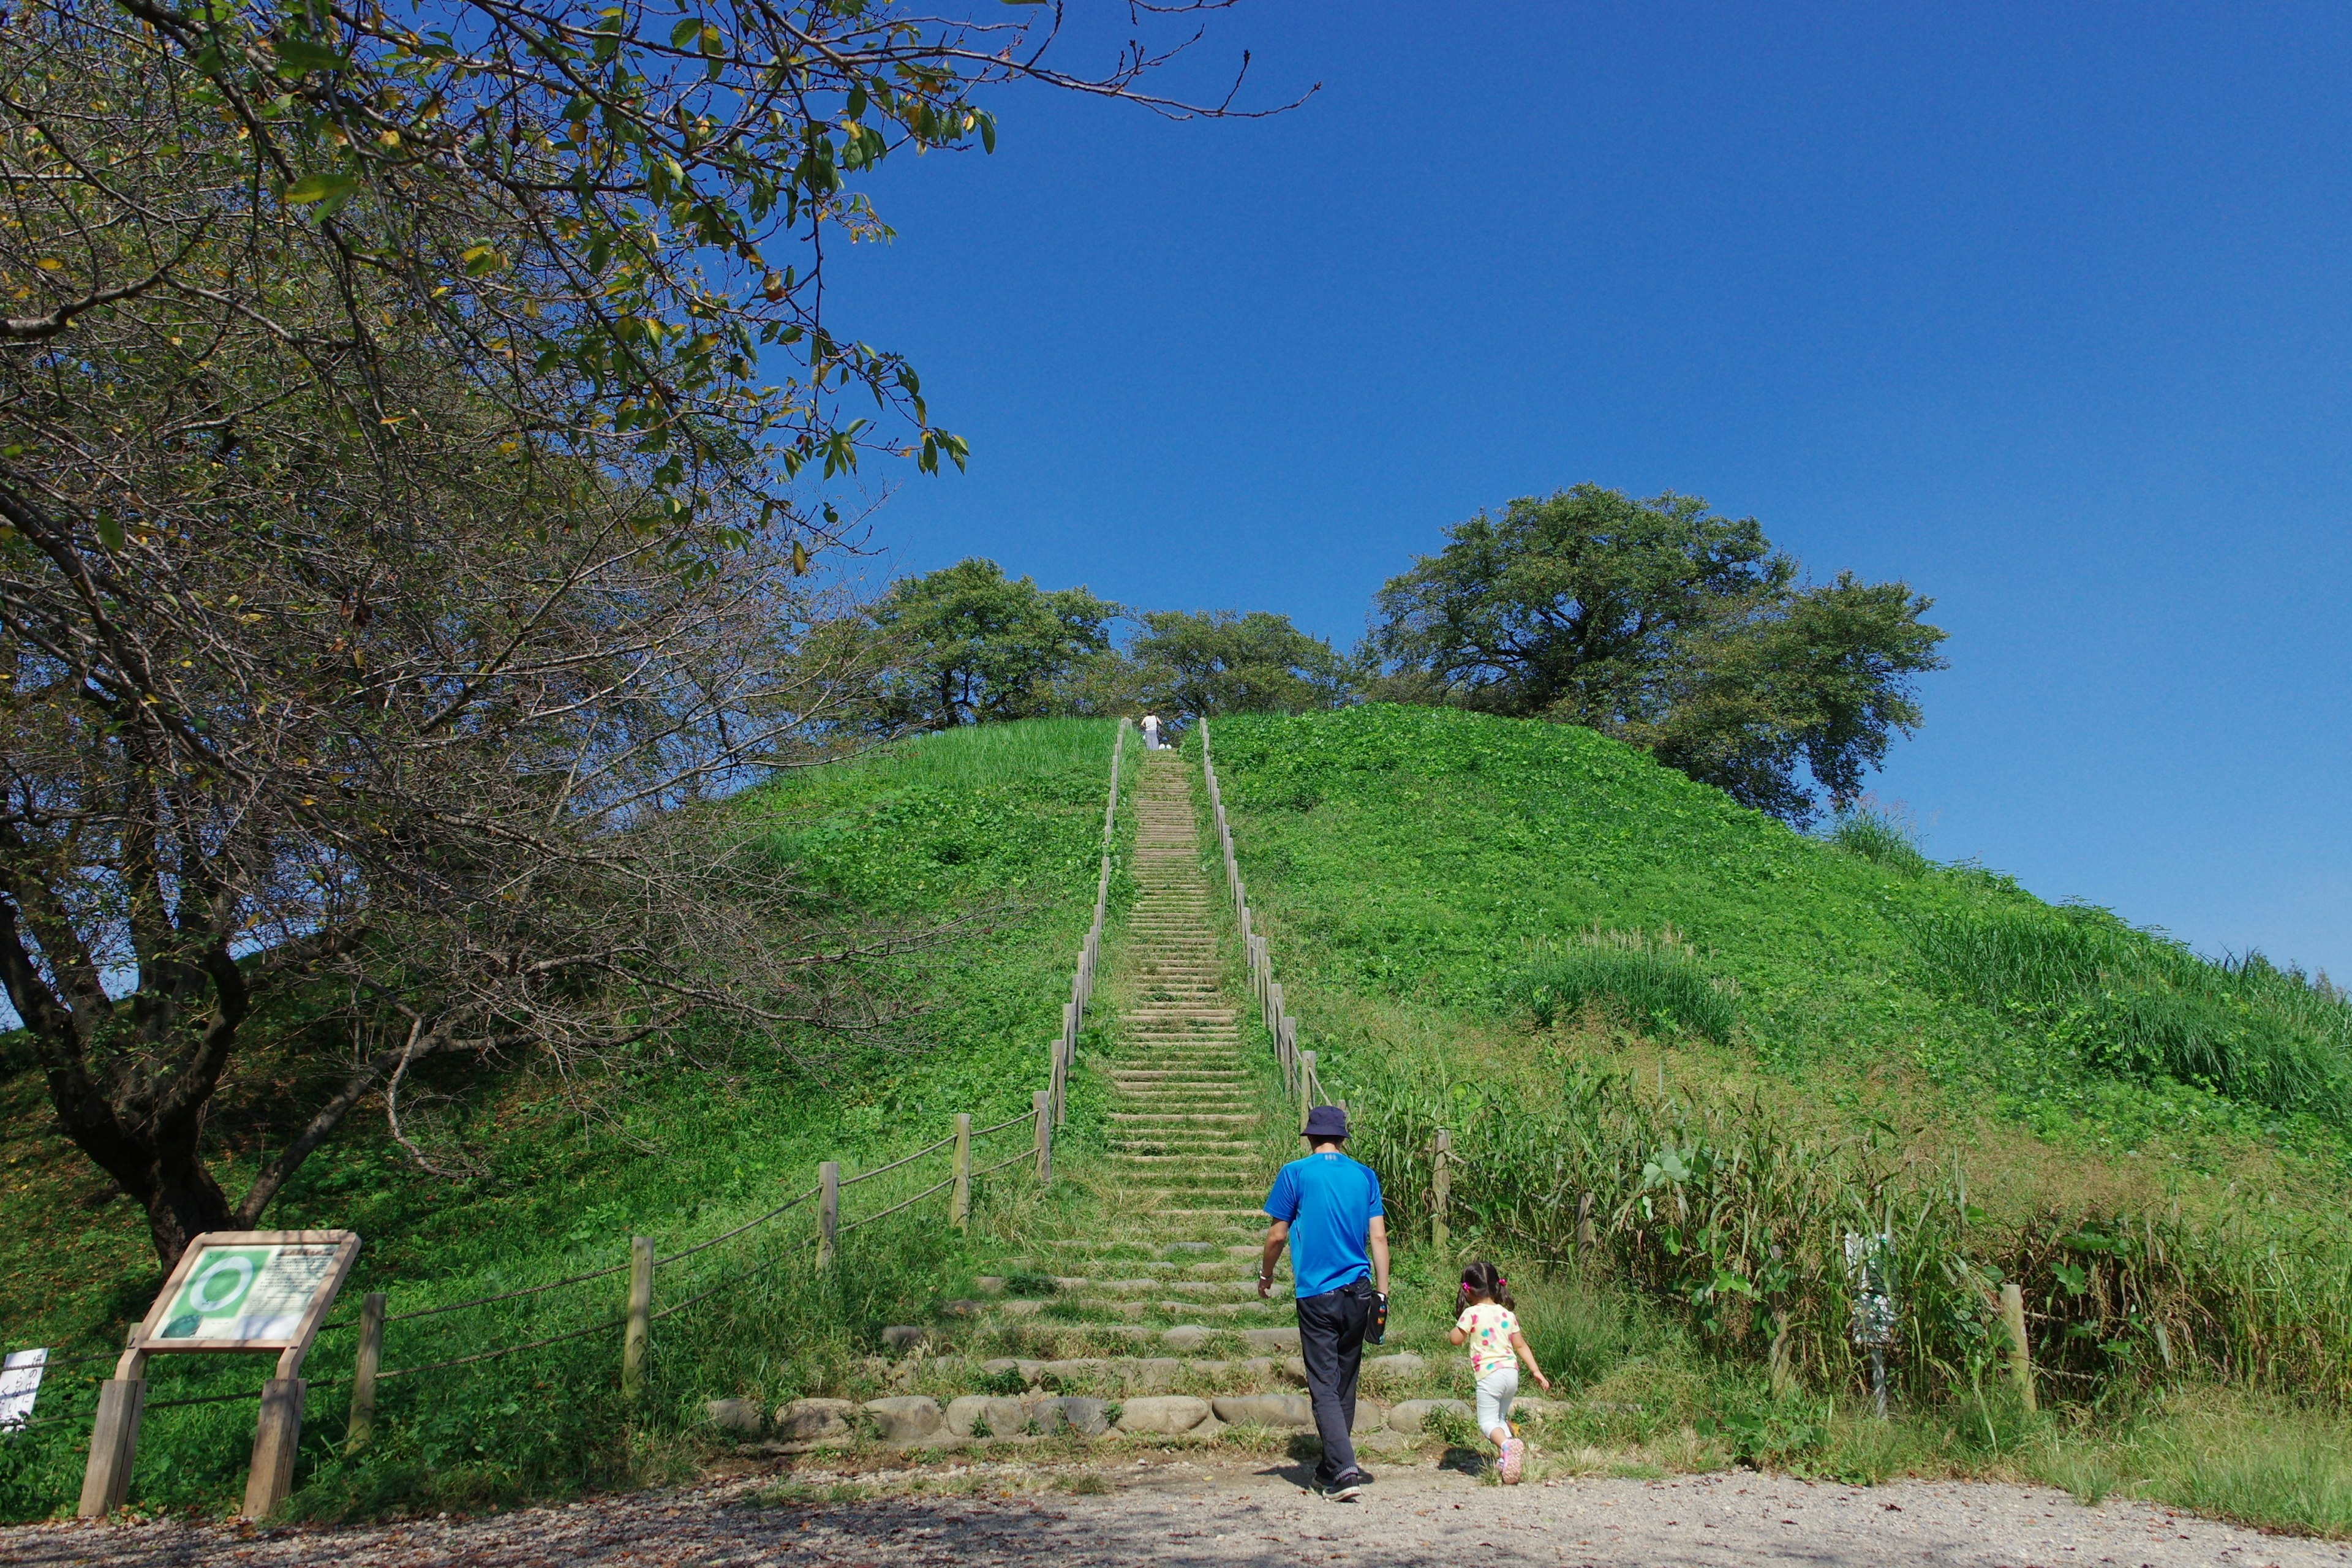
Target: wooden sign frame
[
  {"x": 298, "y": 1343},
  {"x": 122, "y": 1399}
]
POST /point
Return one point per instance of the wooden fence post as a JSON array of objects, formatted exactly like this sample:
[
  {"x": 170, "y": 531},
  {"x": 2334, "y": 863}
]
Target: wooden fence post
[
  {"x": 364, "y": 1366},
  {"x": 960, "y": 1196},
  {"x": 1068, "y": 1059},
  {"x": 1583, "y": 1227},
  {"x": 1305, "y": 1086},
  {"x": 828, "y": 1212},
  {"x": 2020, "y": 1355},
  {"x": 1040, "y": 1104},
  {"x": 641, "y": 1317},
  {"x": 114, "y": 1436},
  {"x": 1441, "y": 1190},
  {"x": 275, "y": 1435}
]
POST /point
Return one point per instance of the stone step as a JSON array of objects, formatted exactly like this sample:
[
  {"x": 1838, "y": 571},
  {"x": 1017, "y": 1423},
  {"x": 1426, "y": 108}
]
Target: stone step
[{"x": 1224, "y": 1118}]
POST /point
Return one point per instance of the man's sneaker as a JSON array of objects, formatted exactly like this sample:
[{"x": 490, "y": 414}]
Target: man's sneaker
[
  {"x": 1515, "y": 1460},
  {"x": 1348, "y": 1488}
]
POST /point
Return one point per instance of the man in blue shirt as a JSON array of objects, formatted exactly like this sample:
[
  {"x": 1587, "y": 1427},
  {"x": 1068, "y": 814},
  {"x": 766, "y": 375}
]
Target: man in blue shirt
[{"x": 1326, "y": 1207}]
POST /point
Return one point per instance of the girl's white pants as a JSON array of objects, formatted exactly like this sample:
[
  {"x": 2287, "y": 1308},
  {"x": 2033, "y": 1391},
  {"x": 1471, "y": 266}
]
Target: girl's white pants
[{"x": 1496, "y": 1392}]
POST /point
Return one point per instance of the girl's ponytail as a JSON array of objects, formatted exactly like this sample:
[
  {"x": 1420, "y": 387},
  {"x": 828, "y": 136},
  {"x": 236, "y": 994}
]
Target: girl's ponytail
[{"x": 1483, "y": 1278}]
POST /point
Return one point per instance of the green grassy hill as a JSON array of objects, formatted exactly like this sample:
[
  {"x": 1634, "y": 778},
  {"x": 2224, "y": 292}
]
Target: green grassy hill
[
  {"x": 988, "y": 838},
  {"x": 1737, "y": 1044},
  {"x": 1623, "y": 996}
]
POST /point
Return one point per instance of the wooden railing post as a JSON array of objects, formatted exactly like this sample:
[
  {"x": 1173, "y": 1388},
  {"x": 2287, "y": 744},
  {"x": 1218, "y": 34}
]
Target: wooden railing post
[
  {"x": 114, "y": 1435},
  {"x": 1040, "y": 1104},
  {"x": 365, "y": 1364},
  {"x": 1305, "y": 1086},
  {"x": 1065, "y": 1057},
  {"x": 277, "y": 1433},
  {"x": 828, "y": 1213},
  {"x": 2020, "y": 1354},
  {"x": 1441, "y": 1190},
  {"x": 1583, "y": 1227},
  {"x": 640, "y": 1333},
  {"x": 960, "y": 1195}
]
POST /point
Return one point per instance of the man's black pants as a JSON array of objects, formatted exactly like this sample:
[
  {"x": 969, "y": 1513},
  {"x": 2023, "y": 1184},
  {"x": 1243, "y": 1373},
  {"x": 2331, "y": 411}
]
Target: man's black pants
[{"x": 1331, "y": 1341}]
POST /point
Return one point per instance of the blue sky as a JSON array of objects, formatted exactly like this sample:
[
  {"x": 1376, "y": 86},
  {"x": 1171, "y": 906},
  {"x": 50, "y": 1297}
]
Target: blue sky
[{"x": 2044, "y": 311}]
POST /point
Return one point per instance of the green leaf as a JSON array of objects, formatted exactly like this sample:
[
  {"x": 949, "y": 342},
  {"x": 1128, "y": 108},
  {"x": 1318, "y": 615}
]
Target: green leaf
[
  {"x": 109, "y": 531},
  {"x": 320, "y": 188},
  {"x": 299, "y": 55},
  {"x": 685, "y": 32}
]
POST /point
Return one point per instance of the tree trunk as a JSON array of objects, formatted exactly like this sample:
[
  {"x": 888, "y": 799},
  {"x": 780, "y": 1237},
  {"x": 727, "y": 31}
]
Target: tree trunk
[{"x": 183, "y": 1202}]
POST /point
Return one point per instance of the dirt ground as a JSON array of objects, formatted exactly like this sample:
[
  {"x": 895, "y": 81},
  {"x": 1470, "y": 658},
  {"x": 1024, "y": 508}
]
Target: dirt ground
[{"x": 1179, "y": 1513}]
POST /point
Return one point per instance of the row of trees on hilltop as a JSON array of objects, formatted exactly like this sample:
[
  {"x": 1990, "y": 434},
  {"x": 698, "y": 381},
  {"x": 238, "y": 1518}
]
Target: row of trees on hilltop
[
  {"x": 1658, "y": 621},
  {"x": 968, "y": 645}
]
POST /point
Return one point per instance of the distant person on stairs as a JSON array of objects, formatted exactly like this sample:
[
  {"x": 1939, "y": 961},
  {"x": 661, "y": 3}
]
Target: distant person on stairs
[
  {"x": 1151, "y": 731},
  {"x": 1326, "y": 1207}
]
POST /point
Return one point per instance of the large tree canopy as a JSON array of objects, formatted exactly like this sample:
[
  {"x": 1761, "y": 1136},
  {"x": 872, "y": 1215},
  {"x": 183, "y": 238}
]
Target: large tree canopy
[
  {"x": 1676, "y": 628},
  {"x": 967, "y": 644},
  {"x": 410, "y": 422},
  {"x": 1187, "y": 664}
]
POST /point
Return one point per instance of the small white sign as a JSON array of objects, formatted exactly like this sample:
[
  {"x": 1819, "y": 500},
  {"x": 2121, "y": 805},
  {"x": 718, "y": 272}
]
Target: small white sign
[{"x": 20, "y": 1384}]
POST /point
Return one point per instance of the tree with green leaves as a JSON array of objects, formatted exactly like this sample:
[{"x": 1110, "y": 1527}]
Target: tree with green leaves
[
  {"x": 1190, "y": 665},
  {"x": 414, "y": 420},
  {"x": 967, "y": 644},
  {"x": 1671, "y": 626}
]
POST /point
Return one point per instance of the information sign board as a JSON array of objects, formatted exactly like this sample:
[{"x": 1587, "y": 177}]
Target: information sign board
[{"x": 249, "y": 1291}]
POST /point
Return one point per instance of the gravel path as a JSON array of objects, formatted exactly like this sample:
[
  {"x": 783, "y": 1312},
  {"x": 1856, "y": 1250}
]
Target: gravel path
[{"x": 1176, "y": 1514}]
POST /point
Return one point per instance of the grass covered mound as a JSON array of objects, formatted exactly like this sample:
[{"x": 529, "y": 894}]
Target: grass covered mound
[
  {"x": 1725, "y": 1046},
  {"x": 988, "y": 840},
  {"x": 1518, "y": 871}
]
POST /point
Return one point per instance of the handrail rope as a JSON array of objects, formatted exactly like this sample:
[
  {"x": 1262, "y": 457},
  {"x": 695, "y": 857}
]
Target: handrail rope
[
  {"x": 885, "y": 1169},
  {"x": 729, "y": 1235},
  {"x": 893, "y": 1209},
  {"x": 506, "y": 1295},
  {"x": 491, "y": 1355},
  {"x": 1026, "y": 1116},
  {"x": 1016, "y": 1159},
  {"x": 733, "y": 1280}
]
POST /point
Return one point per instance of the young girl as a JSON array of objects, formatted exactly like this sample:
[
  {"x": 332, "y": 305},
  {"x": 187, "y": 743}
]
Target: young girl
[{"x": 1490, "y": 1328}]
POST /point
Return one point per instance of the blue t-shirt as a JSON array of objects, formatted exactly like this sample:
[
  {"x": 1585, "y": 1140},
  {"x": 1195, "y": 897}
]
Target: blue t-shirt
[{"x": 1330, "y": 1201}]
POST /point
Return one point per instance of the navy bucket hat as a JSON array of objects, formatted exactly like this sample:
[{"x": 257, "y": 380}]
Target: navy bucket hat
[{"x": 1325, "y": 1121}]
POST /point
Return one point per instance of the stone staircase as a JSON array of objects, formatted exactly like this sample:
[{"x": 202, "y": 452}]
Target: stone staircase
[
  {"x": 1157, "y": 1290},
  {"x": 1142, "y": 1309}
]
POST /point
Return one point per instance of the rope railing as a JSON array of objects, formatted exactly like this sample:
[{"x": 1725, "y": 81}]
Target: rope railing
[
  {"x": 1047, "y": 1109},
  {"x": 886, "y": 1170},
  {"x": 992, "y": 1170},
  {"x": 1299, "y": 1080}
]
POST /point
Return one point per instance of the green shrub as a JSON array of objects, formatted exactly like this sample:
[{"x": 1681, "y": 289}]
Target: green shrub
[
  {"x": 1656, "y": 982},
  {"x": 1876, "y": 833}
]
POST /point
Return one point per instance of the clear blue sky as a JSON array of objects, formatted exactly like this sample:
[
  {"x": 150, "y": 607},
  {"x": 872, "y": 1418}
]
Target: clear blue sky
[{"x": 2043, "y": 309}]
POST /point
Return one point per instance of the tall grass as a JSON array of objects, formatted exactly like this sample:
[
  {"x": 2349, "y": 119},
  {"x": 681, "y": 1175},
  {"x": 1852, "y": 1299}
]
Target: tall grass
[
  {"x": 1655, "y": 981},
  {"x": 1876, "y": 833},
  {"x": 1735, "y": 1220},
  {"x": 2127, "y": 1002}
]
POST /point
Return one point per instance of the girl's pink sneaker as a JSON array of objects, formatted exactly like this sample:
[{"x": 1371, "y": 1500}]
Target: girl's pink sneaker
[{"x": 1514, "y": 1461}]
